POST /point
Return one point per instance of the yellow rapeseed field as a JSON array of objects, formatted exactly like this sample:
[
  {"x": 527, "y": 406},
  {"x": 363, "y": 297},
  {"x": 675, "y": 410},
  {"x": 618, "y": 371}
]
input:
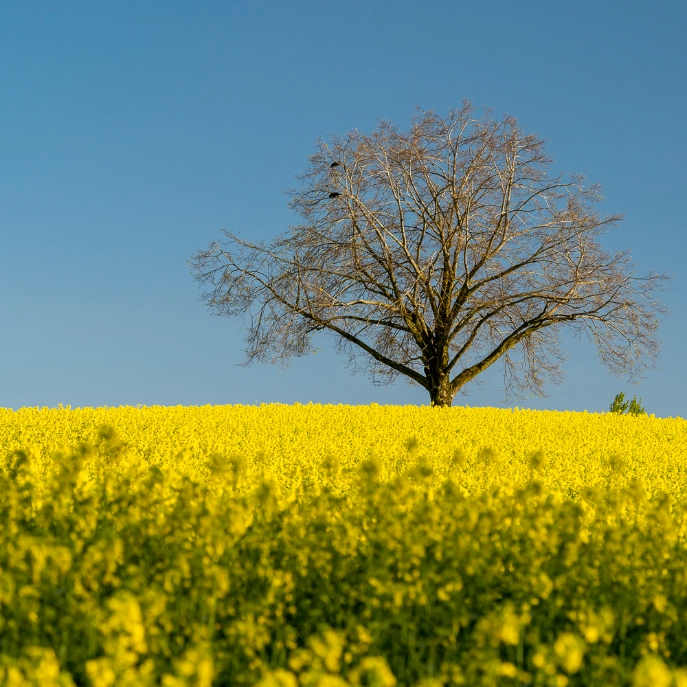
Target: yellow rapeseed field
[
  {"x": 477, "y": 447},
  {"x": 332, "y": 546}
]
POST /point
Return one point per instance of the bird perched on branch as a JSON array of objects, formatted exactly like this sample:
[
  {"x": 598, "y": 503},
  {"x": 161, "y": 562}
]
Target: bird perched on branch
[
  {"x": 335, "y": 164},
  {"x": 334, "y": 194}
]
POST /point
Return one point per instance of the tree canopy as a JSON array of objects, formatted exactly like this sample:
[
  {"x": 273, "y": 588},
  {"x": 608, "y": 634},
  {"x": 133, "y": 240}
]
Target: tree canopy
[{"x": 435, "y": 252}]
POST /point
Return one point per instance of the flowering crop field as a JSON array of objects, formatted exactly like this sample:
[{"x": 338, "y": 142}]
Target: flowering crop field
[{"x": 332, "y": 546}]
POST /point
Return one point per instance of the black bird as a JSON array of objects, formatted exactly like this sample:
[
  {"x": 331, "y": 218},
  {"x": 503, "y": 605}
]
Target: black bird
[
  {"x": 334, "y": 194},
  {"x": 335, "y": 164}
]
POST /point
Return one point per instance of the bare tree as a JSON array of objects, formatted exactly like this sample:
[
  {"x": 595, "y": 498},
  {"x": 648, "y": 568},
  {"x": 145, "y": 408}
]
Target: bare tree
[{"x": 435, "y": 252}]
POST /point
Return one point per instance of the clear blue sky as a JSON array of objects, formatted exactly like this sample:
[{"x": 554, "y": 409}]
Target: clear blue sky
[{"x": 131, "y": 132}]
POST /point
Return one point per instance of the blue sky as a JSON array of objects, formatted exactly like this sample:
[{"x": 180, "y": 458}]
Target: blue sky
[{"x": 131, "y": 132}]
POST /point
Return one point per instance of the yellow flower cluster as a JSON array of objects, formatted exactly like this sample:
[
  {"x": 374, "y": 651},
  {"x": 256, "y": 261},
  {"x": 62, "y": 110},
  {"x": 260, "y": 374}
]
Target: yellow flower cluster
[{"x": 321, "y": 546}]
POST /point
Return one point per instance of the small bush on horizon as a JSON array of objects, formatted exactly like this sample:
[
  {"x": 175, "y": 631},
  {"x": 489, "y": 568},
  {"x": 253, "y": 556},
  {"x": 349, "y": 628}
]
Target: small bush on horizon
[{"x": 623, "y": 407}]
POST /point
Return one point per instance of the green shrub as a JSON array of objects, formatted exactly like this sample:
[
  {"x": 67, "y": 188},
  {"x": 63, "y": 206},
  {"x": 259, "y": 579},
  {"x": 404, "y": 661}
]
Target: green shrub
[{"x": 623, "y": 407}]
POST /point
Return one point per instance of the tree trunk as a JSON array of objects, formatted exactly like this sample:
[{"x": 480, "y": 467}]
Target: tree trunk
[{"x": 440, "y": 392}]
